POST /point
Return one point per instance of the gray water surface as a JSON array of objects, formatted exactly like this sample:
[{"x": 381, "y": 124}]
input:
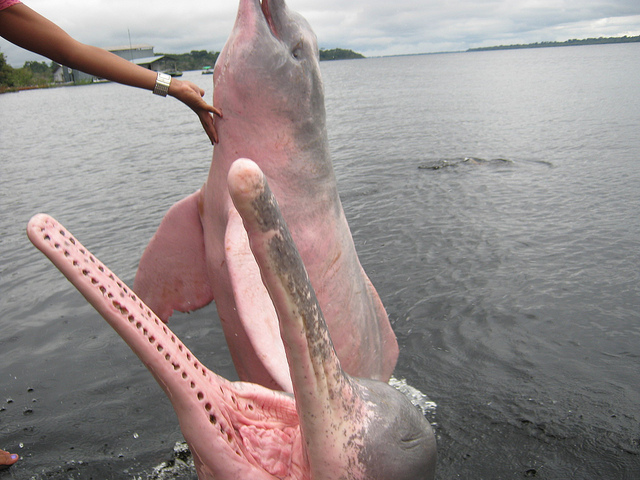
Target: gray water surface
[{"x": 493, "y": 198}]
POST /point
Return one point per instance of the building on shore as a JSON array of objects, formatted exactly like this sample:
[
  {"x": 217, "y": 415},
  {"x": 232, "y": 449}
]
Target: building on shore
[{"x": 139, "y": 54}]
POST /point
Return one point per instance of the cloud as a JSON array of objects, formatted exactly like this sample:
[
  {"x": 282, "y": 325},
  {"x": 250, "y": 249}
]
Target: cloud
[{"x": 372, "y": 27}]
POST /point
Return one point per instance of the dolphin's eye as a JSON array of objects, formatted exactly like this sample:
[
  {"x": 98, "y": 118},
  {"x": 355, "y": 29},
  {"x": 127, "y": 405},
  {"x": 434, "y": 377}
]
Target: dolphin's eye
[
  {"x": 297, "y": 49},
  {"x": 412, "y": 440}
]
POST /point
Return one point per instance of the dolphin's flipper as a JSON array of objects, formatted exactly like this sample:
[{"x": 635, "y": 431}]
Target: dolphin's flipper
[
  {"x": 255, "y": 311},
  {"x": 172, "y": 274}
]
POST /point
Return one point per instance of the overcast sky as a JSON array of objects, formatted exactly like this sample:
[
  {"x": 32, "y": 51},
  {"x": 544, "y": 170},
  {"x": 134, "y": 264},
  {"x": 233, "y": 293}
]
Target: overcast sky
[{"x": 371, "y": 27}]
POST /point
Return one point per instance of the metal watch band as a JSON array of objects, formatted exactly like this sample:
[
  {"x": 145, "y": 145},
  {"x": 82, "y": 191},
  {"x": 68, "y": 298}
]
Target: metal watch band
[{"x": 162, "y": 84}]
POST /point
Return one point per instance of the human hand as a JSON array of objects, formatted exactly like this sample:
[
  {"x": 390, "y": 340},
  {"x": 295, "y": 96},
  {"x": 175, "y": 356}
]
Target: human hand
[{"x": 191, "y": 95}]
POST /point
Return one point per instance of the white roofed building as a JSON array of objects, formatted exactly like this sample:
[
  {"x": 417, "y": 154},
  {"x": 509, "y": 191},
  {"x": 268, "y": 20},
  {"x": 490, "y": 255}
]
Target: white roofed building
[{"x": 139, "y": 54}]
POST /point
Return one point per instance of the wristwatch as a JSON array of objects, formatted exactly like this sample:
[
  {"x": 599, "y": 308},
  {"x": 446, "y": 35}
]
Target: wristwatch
[{"x": 162, "y": 84}]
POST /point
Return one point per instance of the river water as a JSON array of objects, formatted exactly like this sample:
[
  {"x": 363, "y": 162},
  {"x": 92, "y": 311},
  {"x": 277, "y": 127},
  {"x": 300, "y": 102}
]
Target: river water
[{"x": 493, "y": 198}]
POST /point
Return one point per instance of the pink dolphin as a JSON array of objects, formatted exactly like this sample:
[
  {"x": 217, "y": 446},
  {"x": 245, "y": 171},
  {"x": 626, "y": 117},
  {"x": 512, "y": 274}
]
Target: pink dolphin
[
  {"x": 334, "y": 427},
  {"x": 267, "y": 84}
]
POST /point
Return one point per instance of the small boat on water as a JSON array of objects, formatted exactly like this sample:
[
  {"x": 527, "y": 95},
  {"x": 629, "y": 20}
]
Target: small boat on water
[
  {"x": 207, "y": 70},
  {"x": 174, "y": 72}
]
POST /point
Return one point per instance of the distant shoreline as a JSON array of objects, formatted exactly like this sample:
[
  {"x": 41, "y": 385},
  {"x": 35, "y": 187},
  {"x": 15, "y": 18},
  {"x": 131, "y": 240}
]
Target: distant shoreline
[
  {"x": 347, "y": 54},
  {"x": 566, "y": 43}
]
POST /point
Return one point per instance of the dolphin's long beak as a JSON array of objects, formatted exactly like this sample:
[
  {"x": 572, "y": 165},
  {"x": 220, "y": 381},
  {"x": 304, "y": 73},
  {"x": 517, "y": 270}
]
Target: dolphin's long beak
[{"x": 213, "y": 412}]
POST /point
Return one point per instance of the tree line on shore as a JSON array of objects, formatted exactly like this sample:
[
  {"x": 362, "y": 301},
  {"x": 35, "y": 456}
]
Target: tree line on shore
[
  {"x": 566, "y": 43},
  {"x": 30, "y": 74},
  {"x": 40, "y": 74}
]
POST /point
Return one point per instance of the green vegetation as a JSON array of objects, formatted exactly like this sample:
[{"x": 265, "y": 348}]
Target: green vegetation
[
  {"x": 567, "y": 43},
  {"x": 39, "y": 74},
  {"x": 32, "y": 74},
  {"x": 197, "y": 59},
  {"x": 338, "y": 54}
]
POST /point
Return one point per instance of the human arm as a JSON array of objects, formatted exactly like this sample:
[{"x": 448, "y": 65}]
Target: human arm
[{"x": 26, "y": 28}]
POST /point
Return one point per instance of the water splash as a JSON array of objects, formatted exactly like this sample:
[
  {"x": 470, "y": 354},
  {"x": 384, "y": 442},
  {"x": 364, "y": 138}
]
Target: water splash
[{"x": 416, "y": 397}]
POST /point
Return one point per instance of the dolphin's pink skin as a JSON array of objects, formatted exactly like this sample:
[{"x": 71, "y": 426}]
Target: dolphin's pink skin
[
  {"x": 337, "y": 427},
  {"x": 267, "y": 84}
]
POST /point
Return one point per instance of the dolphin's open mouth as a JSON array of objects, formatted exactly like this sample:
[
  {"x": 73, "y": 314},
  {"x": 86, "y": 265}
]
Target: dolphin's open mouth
[{"x": 267, "y": 15}]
